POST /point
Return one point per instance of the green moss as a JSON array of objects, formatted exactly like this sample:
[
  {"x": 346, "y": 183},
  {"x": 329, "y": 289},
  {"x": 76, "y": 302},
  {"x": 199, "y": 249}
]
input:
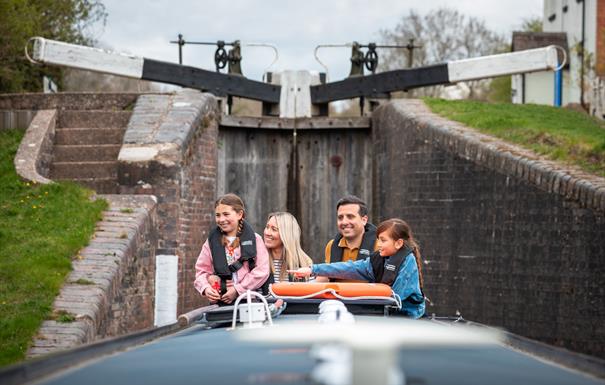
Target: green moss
[
  {"x": 83, "y": 281},
  {"x": 64, "y": 316}
]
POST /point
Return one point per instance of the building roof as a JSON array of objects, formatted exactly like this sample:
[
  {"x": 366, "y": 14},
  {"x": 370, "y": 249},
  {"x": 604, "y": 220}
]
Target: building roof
[{"x": 530, "y": 40}]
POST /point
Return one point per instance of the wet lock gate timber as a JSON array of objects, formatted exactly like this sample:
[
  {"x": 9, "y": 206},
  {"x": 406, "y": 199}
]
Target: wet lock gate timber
[{"x": 301, "y": 165}]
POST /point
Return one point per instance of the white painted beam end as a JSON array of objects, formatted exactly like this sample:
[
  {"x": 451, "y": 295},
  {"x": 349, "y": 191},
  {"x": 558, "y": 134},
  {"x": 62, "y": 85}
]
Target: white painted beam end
[
  {"x": 532, "y": 60},
  {"x": 87, "y": 58}
]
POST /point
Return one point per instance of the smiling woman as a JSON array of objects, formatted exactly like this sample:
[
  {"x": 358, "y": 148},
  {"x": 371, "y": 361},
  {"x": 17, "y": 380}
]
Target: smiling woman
[{"x": 282, "y": 238}]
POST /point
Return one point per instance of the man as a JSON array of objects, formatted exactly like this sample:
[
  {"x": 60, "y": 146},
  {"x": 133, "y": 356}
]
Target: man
[{"x": 356, "y": 237}]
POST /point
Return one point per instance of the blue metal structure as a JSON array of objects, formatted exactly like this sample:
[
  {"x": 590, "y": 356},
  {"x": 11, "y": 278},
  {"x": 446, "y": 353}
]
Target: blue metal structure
[{"x": 558, "y": 88}]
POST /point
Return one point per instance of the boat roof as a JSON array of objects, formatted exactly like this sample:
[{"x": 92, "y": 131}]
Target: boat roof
[{"x": 209, "y": 351}]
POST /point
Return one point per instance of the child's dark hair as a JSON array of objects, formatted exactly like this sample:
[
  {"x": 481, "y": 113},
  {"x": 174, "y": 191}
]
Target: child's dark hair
[
  {"x": 399, "y": 229},
  {"x": 237, "y": 204}
]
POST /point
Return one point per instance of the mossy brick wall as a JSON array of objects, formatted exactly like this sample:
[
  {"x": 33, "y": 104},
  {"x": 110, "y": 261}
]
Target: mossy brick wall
[
  {"x": 110, "y": 290},
  {"x": 133, "y": 302},
  {"x": 508, "y": 239}
]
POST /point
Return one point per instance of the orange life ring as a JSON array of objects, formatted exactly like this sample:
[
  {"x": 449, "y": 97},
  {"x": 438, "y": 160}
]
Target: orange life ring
[{"x": 344, "y": 289}]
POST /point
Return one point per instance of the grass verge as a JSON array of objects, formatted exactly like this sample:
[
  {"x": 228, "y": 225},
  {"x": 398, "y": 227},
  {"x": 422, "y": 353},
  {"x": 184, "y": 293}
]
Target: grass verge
[
  {"x": 41, "y": 228},
  {"x": 557, "y": 133}
]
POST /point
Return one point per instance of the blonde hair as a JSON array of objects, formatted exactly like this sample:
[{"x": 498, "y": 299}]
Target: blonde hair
[{"x": 292, "y": 252}]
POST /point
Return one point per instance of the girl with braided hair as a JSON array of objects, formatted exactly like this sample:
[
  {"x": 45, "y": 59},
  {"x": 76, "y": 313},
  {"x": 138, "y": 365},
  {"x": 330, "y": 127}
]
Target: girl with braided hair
[
  {"x": 234, "y": 258},
  {"x": 397, "y": 263}
]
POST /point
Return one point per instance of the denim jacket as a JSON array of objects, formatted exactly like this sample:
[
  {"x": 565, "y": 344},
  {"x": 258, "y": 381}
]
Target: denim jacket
[{"x": 406, "y": 284}]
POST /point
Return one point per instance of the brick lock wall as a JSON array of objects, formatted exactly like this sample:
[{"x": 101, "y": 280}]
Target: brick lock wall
[
  {"x": 68, "y": 100},
  {"x": 132, "y": 306},
  {"x": 198, "y": 192},
  {"x": 497, "y": 248},
  {"x": 181, "y": 129}
]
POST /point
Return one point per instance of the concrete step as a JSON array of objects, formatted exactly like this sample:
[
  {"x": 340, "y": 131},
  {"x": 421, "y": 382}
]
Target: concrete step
[
  {"x": 84, "y": 170},
  {"x": 100, "y": 185},
  {"x": 86, "y": 152},
  {"x": 79, "y": 136},
  {"x": 93, "y": 118}
]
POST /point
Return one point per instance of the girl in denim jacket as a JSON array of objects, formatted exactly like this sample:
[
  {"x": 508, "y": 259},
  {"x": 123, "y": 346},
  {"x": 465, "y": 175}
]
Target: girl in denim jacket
[{"x": 397, "y": 263}]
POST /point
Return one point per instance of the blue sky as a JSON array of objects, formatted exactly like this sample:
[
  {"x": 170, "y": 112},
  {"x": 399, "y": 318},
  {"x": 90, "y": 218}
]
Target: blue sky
[{"x": 295, "y": 27}]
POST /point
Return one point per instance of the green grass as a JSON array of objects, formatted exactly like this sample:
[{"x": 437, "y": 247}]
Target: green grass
[
  {"x": 557, "y": 133},
  {"x": 41, "y": 228}
]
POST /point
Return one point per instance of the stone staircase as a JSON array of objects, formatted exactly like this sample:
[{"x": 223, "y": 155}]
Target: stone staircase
[{"x": 87, "y": 143}]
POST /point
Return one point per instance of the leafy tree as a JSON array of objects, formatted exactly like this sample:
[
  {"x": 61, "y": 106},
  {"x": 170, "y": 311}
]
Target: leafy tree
[
  {"x": 500, "y": 90},
  {"x": 65, "y": 20},
  {"x": 532, "y": 24},
  {"x": 444, "y": 34}
]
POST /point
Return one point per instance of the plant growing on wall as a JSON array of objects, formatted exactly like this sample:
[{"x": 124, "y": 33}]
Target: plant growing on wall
[{"x": 585, "y": 73}]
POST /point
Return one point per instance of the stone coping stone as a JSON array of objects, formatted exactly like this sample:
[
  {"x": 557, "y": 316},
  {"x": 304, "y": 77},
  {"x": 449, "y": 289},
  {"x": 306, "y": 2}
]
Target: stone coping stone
[
  {"x": 162, "y": 126},
  {"x": 35, "y": 146}
]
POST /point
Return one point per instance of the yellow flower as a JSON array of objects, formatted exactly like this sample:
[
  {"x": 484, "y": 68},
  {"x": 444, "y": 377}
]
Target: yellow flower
[{"x": 34, "y": 206}]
